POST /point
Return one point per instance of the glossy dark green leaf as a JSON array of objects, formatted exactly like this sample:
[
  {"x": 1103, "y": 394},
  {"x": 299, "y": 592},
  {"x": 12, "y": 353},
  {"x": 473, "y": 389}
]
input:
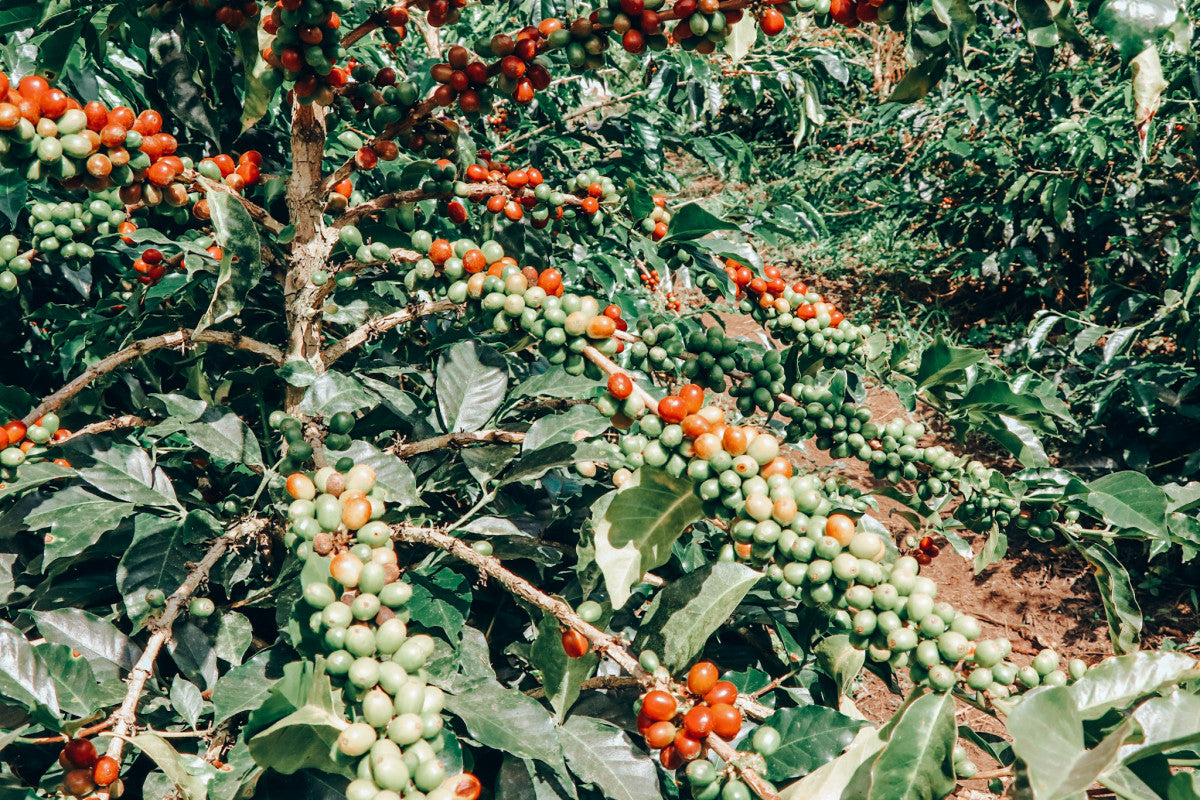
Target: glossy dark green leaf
[
  {"x": 307, "y": 737},
  {"x": 507, "y": 720},
  {"x": 636, "y": 525},
  {"x": 109, "y": 651},
  {"x": 241, "y": 262},
  {"x": 334, "y": 392},
  {"x": 693, "y": 222},
  {"x": 602, "y": 754},
  {"x": 24, "y": 679},
  {"x": 1134, "y": 25},
  {"x": 916, "y": 763},
  {"x": 683, "y": 616},
  {"x": 811, "y": 736},
  {"x": 471, "y": 380},
  {"x": 441, "y": 599}
]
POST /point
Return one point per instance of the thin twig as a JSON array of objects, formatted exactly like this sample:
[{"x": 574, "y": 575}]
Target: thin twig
[
  {"x": 181, "y": 338},
  {"x": 595, "y": 682},
  {"x": 410, "y": 449},
  {"x": 126, "y": 716},
  {"x": 379, "y": 325},
  {"x": 105, "y": 426}
]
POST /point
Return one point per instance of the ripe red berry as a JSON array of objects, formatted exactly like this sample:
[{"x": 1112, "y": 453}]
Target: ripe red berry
[
  {"x": 574, "y": 643},
  {"x": 80, "y": 752},
  {"x": 659, "y": 705},
  {"x": 702, "y": 678},
  {"x": 620, "y": 386},
  {"x": 722, "y": 692}
]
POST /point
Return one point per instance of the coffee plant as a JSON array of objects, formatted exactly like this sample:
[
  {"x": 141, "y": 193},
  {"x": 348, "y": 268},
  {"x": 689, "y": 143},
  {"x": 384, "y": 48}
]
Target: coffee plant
[{"x": 381, "y": 428}]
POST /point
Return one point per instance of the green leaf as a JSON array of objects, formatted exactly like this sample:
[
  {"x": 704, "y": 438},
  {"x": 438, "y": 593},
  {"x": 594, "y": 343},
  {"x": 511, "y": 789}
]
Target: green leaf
[
  {"x": 561, "y": 675},
  {"x": 1116, "y": 683},
  {"x": 75, "y": 685},
  {"x": 24, "y": 679},
  {"x": 741, "y": 38},
  {"x": 241, "y": 264},
  {"x": 297, "y": 372},
  {"x": 246, "y": 687},
  {"x": 524, "y": 779},
  {"x": 1038, "y": 21},
  {"x": 1134, "y": 25},
  {"x": 811, "y": 736},
  {"x": 471, "y": 380},
  {"x": 507, "y": 720},
  {"x": 919, "y": 80},
  {"x": 1047, "y": 732},
  {"x": 689, "y": 610},
  {"x": 556, "y": 428},
  {"x": 256, "y": 95},
  {"x": 959, "y": 17},
  {"x": 223, "y": 436},
  {"x": 234, "y": 636},
  {"x": 602, "y": 754},
  {"x": 840, "y": 660},
  {"x": 189, "y": 773},
  {"x": 307, "y": 737},
  {"x": 693, "y": 222},
  {"x": 636, "y": 525},
  {"x": 1167, "y": 723},
  {"x": 1116, "y": 593},
  {"x": 1130, "y": 500},
  {"x": 334, "y": 392},
  {"x": 942, "y": 363},
  {"x": 124, "y": 472},
  {"x": 916, "y": 763},
  {"x": 186, "y": 699},
  {"x": 441, "y": 599},
  {"x": 555, "y": 382},
  {"x": 75, "y": 520},
  {"x": 107, "y": 649},
  {"x": 847, "y": 777}
]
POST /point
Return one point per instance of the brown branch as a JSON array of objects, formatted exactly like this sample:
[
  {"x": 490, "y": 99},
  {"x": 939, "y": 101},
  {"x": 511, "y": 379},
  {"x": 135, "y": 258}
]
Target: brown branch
[
  {"x": 611, "y": 368},
  {"x": 381, "y": 324},
  {"x": 372, "y": 23},
  {"x": 604, "y": 644},
  {"x": 105, "y": 426},
  {"x": 181, "y": 338},
  {"x": 410, "y": 449},
  {"x": 82, "y": 733},
  {"x": 257, "y": 212},
  {"x": 387, "y": 201},
  {"x": 126, "y": 716},
  {"x": 595, "y": 682}
]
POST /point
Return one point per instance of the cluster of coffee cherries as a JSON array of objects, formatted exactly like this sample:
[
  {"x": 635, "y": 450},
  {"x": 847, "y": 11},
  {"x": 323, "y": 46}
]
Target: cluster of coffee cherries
[
  {"x": 342, "y": 196},
  {"x": 659, "y": 348},
  {"x": 305, "y": 47},
  {"x": 514, "y": 298},
  {"x": 19, "y": 445},
  {"x": 235, "y": 15},
  {"x": 51, "y": 135},
  {"x": 362, "y": 251},
  {"x": 924, "y": 549},
  {"x": 378, "y": 96},
  {"x": 55, "y": 226},
  {"x": 702, "y": 25},
  {"x": 597, "y": 195},
  {"x": 464, "y": 79},
  {"x": 678, "y": 730},
  {"x": 715, "y": 356},
  {"x": 520, "y": 190},
  {"x": 762, "y": 384},
  {"x": 520, "y": 73},
  {"x": 397, "y": 730},
  {"x": 237, "y": 175},
  {"x": 655, "y": 225},
  {"x": 85, "y": 770},
  {"x": 13, "y": 262}
]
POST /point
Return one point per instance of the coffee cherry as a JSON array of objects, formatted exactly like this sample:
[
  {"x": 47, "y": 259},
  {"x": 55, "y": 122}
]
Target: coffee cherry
[{"x": 574, "y": 643}]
